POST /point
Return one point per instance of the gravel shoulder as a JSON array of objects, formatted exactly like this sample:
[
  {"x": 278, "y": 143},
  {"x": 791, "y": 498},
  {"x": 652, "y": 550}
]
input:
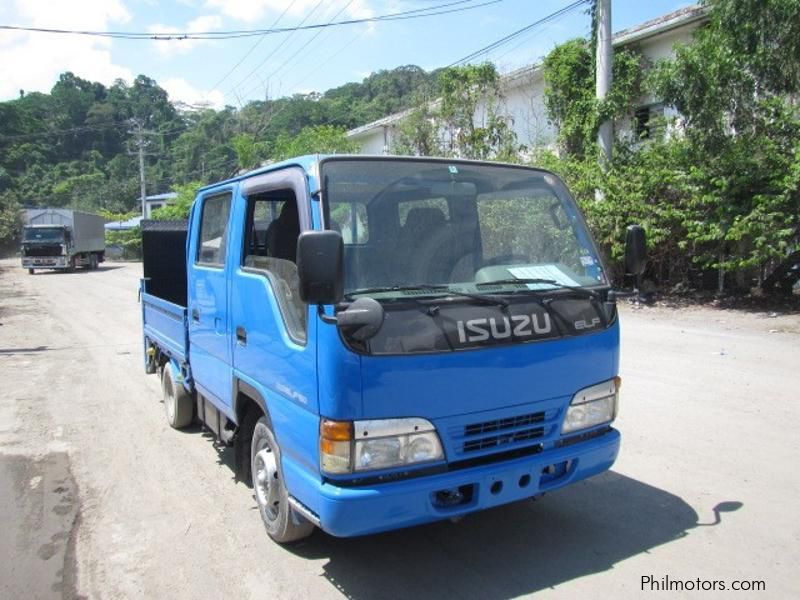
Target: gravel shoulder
[{"x": 704, "y": 487}]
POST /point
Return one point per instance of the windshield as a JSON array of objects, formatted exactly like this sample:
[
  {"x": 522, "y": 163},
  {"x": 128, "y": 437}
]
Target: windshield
[
  {"x": 472, "y": 227},
  {"x": 43, "y": 234}
]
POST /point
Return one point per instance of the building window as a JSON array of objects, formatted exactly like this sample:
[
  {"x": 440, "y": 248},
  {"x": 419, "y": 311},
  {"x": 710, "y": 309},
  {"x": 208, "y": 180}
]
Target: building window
[{"x": 648, "y": 120}]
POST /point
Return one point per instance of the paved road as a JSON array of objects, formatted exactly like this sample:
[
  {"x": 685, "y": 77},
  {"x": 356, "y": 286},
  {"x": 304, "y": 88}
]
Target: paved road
[{"x": 706, "y": 486}]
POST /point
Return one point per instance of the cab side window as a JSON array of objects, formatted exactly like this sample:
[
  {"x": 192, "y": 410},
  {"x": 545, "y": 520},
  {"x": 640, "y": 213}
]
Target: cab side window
[
  {"x": 213, "y": 230},
  {"x": 272, "y": 228}
]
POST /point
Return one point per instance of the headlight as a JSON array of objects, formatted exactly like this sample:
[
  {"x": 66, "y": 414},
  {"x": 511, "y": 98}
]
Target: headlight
[
  {"x": 592, "y": 406},
  {"x": 346, "y": 447}
]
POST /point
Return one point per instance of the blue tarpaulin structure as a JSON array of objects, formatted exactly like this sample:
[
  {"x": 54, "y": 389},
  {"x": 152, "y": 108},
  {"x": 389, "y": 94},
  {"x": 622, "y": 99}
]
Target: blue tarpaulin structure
[{"x": 123, "y": 225}]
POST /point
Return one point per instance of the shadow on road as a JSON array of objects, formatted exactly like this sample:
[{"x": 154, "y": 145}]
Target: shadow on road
[
  {"x": 512, "y": 550},
  {"x": 31, "y": 350},
  {"x": 508, "y": 551},
  {"x": 77, "y": 270}
]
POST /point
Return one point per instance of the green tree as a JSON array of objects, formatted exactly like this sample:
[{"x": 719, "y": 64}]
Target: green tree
[
  {"x": 736, "y": 86},
  {"x": 181, "y": 205},
  {"x": 249, "y": 152},
  {"x": 465, "y": 120},
  {"x": 322, "y": 139},
  {"x": 570, "y": 94}
]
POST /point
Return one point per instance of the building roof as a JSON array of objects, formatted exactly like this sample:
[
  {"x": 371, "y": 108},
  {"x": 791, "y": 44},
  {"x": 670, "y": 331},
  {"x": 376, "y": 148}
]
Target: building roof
[
  {"x": 123, "y": 225},
  {"x": 166, "y": 196},
  {"x": 679, "y": 18},
  {"x": 662, "y": 24}
]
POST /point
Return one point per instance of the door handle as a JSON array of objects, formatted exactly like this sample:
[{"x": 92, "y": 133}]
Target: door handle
[
  {"x": 241, "y": 335},
  {"x": 195, "y": 315}
]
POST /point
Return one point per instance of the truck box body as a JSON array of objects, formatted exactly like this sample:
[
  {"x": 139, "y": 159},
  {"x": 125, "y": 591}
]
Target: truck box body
[
  {"x": 490, "y": 377},
  {"x": 62, "y": 238}
]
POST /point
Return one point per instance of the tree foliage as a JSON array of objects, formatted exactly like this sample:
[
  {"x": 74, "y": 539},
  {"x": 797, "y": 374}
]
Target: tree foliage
[
  {"x": 72, "y": 147},
  {"x": 181, "y": 205},
  {"x": 720, "y": 190},
  {"x": 570, "y": 93},
  {"x": 322, "y": 139},
  {"x": 465, "y": 120}
]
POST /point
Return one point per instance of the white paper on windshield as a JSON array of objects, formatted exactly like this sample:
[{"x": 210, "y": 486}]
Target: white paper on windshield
[{"x": 542, "y": 272}]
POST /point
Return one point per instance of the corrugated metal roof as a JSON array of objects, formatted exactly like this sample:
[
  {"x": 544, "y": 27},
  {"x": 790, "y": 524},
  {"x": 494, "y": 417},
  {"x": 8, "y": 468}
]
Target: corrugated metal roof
[{"x": 173, "y": 225}]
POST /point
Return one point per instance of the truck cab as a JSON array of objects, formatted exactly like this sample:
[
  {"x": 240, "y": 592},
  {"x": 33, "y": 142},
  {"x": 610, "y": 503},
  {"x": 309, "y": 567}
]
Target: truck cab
[
  {"x": 45, "y": 245},
  {"x": 386, "y": 341}
]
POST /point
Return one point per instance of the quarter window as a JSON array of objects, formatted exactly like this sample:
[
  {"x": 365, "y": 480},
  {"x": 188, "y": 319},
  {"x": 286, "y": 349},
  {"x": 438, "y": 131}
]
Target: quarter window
[{"x": 213, "y": 230}]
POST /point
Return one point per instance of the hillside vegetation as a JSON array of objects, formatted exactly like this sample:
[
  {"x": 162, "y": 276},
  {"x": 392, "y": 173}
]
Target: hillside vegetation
[
  {"x": 717, "y": 188},
  {"x": 74, "y": 147}
]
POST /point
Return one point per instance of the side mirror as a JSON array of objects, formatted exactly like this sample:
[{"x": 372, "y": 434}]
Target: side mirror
[
  {"x": 362, "y": 319},
  {"x": 635, "y": 250},
  {"x": 320, "y": 267}
]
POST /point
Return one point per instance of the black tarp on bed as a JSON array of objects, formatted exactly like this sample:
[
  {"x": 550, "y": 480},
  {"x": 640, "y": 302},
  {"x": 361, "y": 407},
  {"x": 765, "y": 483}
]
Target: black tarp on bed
[{"x": 164, "y": 258}]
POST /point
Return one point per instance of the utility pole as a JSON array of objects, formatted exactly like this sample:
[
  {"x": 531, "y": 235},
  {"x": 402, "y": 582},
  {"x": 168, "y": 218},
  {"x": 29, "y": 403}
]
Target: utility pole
[
  {"x": 604, "y": 63},
  {"x": 141, "y": 142}
]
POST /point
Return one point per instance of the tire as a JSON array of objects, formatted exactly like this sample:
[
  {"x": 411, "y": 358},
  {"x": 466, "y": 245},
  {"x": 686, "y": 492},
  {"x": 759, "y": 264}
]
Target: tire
[
  {"x": 30, "y": 271},
  {"x": 92, "y": 261},
  {"x": 177, "y": 401},
  {"x": 272, "y": 498}
]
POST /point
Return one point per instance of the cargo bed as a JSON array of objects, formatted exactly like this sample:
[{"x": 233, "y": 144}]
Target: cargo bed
[{"x": 165, "y": 325}]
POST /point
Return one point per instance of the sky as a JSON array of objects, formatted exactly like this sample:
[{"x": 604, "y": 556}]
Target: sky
[{"x": 232, "y": 72}]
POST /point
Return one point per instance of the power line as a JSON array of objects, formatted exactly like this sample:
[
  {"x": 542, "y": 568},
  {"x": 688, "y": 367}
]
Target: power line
[
  {"x": 523, "y": 39},
  {"x": 519, "y": 32},
  {"x": 303, "y": 47},
  {"x": 276, "y": 49},
  {"x": 254, "y": 46},
  {"x": 318, "y": 66},
  {"x": 440, "y": 9}
]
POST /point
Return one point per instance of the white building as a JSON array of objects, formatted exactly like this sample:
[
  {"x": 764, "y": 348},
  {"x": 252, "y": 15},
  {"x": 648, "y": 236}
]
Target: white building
[
  {"x": 156, "y": 201},
  {"x": 523, "y": 89}
]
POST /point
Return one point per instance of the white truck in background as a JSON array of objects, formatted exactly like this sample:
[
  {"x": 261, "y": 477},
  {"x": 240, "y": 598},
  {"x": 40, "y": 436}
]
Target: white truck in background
[{"x": 60, "y": 238}]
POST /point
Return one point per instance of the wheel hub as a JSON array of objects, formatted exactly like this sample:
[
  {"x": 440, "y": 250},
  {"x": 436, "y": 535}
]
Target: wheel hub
[{"x": 266, "y": 483}]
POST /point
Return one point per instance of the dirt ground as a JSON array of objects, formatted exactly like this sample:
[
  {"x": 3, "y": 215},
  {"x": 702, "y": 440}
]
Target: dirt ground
[{"x": 99, "y": 498}]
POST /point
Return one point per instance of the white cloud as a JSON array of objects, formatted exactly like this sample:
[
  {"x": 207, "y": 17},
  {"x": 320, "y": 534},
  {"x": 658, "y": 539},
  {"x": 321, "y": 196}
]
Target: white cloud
[
  {"x": 80, "y": 14},
  {"x": 180, "y": 90},
  {"x": 33, "y": 61},
  {"x": 252, "y": 11},
  {"x": 172, "y": 47}
]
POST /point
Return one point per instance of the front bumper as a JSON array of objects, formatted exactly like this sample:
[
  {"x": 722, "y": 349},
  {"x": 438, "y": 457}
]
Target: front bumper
[
  {"x": 45, "y": 262},
  {"x": 354, "y": 511}
]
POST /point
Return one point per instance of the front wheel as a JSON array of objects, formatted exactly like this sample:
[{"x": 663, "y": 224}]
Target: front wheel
[
  {"x": 271, "y": 495},
  {"x": 30, "y": 271}
]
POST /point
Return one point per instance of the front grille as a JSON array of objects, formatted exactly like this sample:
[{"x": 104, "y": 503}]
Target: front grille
[
  {"x": 42, "y": 250},
  {"x": 499, "y": 433}
]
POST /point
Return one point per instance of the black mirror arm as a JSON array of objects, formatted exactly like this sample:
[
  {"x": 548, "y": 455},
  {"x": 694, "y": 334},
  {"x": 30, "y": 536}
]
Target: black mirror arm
[{"x": 326, "y": 318}]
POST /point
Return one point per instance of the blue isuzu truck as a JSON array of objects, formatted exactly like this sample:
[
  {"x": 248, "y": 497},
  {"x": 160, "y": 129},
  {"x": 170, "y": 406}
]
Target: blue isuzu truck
[{"x": 385, "y": 341}]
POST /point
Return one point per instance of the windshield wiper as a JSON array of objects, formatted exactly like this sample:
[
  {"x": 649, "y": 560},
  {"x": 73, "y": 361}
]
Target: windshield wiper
[
  {"x": 435, "y": 288},
  {"x": 556, "y": 284}
]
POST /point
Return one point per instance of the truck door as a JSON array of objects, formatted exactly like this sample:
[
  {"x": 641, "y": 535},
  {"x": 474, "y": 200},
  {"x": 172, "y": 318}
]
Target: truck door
[
  {"x": 208, "y": 298},
  {"x": 275, "y": 347}
]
